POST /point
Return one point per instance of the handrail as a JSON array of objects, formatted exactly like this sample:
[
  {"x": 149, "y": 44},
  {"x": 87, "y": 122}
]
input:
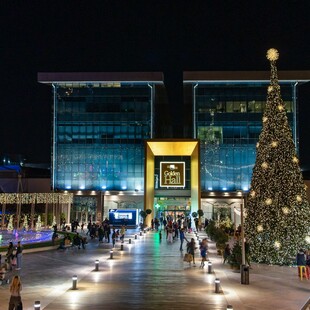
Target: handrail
[{"x": 306, "y": 306}]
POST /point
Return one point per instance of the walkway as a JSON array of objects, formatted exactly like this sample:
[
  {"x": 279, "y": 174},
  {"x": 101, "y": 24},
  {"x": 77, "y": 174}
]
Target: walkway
[{"x": 149, "y": 274}]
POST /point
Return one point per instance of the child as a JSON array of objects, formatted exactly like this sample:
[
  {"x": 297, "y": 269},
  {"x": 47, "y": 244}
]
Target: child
[
  {"x": 113, "y": 238},
  {"x": 3, "y": 274}
]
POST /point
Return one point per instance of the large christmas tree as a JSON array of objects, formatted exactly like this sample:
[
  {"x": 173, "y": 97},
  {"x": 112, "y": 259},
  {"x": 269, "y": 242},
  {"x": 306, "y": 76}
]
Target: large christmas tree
[{"x": 277, "y": 211}]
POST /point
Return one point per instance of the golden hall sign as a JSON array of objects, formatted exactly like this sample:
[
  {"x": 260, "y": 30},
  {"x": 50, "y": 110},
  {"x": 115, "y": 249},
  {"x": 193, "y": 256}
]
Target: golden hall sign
[{"x": 172, "y": 174}]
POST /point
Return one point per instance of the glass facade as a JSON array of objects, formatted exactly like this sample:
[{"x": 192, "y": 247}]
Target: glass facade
[
  {"x": 99, "y": 133},
  {"x": 228, "y": 121}
]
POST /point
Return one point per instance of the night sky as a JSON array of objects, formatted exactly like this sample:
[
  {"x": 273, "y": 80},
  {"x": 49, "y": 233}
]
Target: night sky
[{"x": 167, "y": 36}]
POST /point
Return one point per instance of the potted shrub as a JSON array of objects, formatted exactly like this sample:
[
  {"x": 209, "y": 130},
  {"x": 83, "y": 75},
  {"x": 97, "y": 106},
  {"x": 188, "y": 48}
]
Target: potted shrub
[
  {"x": 235, "y": 258},
  {"x": 144, "y": 214},
  {"x": 220, "y": 239}
]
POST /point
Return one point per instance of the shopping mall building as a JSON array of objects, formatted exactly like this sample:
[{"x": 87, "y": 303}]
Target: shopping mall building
[{"x": 120, "y": 142}]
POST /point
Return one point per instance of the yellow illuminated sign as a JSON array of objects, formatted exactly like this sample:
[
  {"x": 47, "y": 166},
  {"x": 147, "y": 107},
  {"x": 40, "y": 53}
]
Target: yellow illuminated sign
[{"x": 172, "y": 174}]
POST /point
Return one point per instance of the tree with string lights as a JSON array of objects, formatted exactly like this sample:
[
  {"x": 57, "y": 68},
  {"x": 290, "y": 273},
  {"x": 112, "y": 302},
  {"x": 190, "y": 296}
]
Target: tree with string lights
[{"x": 277, "y": 211}]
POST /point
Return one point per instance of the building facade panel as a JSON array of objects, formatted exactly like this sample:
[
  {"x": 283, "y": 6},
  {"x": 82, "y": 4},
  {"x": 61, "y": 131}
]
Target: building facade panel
[
  {"x": 99, "y": 134},
  {"x": 228, "y": 121}
]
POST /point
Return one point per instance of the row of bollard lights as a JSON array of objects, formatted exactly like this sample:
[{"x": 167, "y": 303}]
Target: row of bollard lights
[
  {"x": 217, "y": 281},
  {"x": 37, "y": 304}
]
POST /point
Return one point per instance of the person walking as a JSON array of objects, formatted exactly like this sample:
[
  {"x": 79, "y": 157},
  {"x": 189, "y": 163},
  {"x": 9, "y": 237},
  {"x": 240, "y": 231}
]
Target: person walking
[
  {"x": 15, "y": 302},
  {"x": 113, "y": 237},
  {"x": 122, "y": 233},
  {"x": 9, "y": 255},
  {"x": 203, "y": 251},
  {"x": 227, "y": 252},
  {"x": 19, "y": 255},
  {"x": 191, "y": 247},
  {"x": 169, "y": 234},
  {"x": 182, "y": 238}
]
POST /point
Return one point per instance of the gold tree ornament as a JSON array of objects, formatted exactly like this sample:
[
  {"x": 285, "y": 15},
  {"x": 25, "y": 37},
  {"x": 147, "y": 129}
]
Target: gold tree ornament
[
  {"x": 268, "y": 201},
  {"x": 272, "y": 54},
  {"x": 252, "y": 194},
  {"x": 277, "y": 244},
  {"x": 298, "y": 198},
  {"x": 307, "y": 239},
  {"x": 295, "y": 160},
  {"x": 260, "y": 228},
  {"x": 280, "y": 107},
  {"x": 257, "y": 144},
  {"x": 264, "y": 165},
  {"x": 265, "y": 119},
  {"x": 274, "y": 143},
  {"x": 270, "y": 89},
  {"x": 285, "y": 210}
]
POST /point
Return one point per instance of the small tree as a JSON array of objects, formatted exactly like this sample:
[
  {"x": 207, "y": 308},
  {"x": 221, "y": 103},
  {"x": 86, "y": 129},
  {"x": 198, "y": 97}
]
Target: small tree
[
  {"x": 10, "y": 224},
  {"x": 235, "y": 258},
  {"x": 39, "y": 224},
  {"x": 144, "y": 214},
  {"x": 194, "y": 214},
  {"x": 25, "y": 224},
  {"x": 200, "y": 213}
]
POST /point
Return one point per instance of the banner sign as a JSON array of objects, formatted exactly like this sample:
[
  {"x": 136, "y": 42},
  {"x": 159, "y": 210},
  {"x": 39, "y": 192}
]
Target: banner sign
[{"x": 172, "y": 174}]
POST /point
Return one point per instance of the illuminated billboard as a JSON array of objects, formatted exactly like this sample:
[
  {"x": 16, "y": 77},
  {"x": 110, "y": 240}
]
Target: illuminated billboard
[{"x": 172, "y": 174}]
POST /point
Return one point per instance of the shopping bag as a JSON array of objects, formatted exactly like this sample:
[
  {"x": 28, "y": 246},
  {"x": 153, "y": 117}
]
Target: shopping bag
[
  {"x": 14, "y": 261},
  {"x": 188, "y": 257}
]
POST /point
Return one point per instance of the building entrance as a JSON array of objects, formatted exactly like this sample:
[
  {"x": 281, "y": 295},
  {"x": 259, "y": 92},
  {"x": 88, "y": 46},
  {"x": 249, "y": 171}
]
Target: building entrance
[
  {"x": 173, "y": 207},
  {"x": 174, "y": 175}
]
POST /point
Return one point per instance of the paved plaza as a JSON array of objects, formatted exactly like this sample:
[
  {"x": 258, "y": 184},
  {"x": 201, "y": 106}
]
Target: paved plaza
[{"x": 150, "y": 274}]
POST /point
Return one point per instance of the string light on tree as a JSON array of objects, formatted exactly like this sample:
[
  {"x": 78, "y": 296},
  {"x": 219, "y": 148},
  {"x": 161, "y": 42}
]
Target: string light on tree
[
  {"x": 39, "y": 224},
  {"x": 280, "y": 199},
  {"x": 277, "y": 244},
  {"x": 10, "y": 224}
]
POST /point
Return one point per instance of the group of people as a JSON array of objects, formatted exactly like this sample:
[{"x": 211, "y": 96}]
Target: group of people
[
  {"x": 13, "y": 256},
  {"x": 303, "y": 259},
  {"x": 177, "y": 230}
]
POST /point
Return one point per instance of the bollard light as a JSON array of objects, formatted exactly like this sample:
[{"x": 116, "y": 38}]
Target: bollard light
[
  {"x": 97, "y": 265},
  {"x": 217, "y": 285},
  {"x": 136, "y": 237},
  {"x": 111, "y": 254},
  {"x": 122, "y": 247},
  {"x": 74, "y": 282},
  {"x": 229, "y": 307},
  {"x": 37, "y": 305},
  {"x": 129, "y": 241},
  {"x": 209, "y": 267},
  {"x": 144, "y": 231}
]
